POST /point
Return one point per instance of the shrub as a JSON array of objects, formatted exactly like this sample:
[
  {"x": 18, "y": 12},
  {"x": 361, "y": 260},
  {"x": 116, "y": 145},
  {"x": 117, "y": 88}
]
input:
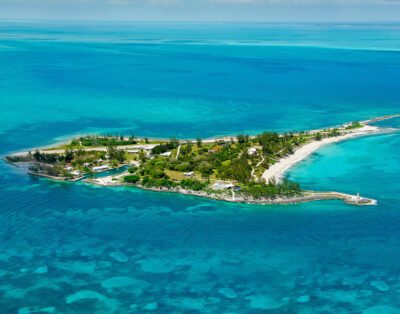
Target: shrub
[
  {"x": 192, "y": 184},
  {"x": 131, "y": 179},
  {"x": 132, "y": 169}
]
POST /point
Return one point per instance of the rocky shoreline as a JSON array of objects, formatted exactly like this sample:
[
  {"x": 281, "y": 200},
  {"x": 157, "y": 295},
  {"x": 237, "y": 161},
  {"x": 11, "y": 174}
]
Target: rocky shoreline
[{"x": 305, "y": 197}]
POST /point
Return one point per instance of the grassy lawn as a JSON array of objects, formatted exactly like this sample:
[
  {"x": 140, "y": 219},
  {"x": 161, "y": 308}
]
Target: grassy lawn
[
  {"x": 175, "y": 175},
  {"x": 130, "y": 157}
]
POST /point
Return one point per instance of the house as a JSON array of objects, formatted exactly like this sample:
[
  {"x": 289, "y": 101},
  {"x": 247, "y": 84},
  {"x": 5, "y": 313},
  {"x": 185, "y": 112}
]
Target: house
[
  {"x": 100, "y": 168},
  {"x": 68, "y": 168},
  {"x": 86, "y": 164},
  {"x": 222, "y": 186},
  {"x": 75, "y": 173},
  {"x": 188, "y": 174},
  {"x": 215, "y": 149},
  {"x": 166, "y": 154},
  {"x": 252, "y": 151},
  {"x": 147, "y": 146}
]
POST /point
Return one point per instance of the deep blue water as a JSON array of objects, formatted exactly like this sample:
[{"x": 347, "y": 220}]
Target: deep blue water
[{"x": 75, "y": 248}]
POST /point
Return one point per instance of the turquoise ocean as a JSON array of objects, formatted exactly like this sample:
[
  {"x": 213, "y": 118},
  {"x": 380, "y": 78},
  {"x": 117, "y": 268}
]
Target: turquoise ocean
[{"x": 75, "y": 248}]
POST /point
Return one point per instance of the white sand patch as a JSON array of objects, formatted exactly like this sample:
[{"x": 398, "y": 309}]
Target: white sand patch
[{"x": 278, "y": 169}]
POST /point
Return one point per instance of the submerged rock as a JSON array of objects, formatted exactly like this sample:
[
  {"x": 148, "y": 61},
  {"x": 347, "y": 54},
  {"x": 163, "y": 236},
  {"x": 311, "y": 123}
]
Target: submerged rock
[
  {"x": 78, "y": 267},
  {"x": 156, "y": 266},
  {"x": 213, "y": 300},
  {"x": 228, "y": 293},
  {"x": 89, "y": 294},
  {"x": 382, "y": 309},
  {"x": 41, "y": 270},
  {"x": 343, "y": 296},
  {"x": 27, "y": 310},
  {"x": 119, "y": 257},
  {"x": 125, "y": 282},
  {"x": 151, "y": 306},
  {"x": 380, "y": 285},
  {"x": 264, "y": 302},
  {"x": 303, "y": 298},
  {"x": 50, "y": 309},
  {"x": 365, "y": 293},
  {"x": 193, "y": 304}
]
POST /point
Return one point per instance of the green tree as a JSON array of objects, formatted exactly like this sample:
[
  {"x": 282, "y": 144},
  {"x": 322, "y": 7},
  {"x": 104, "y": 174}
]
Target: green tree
[
  {"x": 318, "y": 136},
  {"x": 142, "y": 155},
  {"x": 242, "y": 138},
  {"x": 132, "y": 169},
  {"x": 69, "y": 155},
  {"x": 131, "y": 179},
  {"x": 111, "y": 151},
  {"x": 205, "y": 168}
]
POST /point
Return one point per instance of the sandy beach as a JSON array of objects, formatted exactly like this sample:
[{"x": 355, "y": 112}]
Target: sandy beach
[{"x": 278, "y": 169}]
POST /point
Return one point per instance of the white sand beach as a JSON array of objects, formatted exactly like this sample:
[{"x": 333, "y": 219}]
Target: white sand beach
[{"x": 278, "y": 169}]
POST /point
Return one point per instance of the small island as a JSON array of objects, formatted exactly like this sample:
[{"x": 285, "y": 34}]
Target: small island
[{"x": 246, "y": 169}]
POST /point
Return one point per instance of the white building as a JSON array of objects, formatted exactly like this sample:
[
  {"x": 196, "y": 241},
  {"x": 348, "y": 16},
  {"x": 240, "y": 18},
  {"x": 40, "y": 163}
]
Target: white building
[
  {"x": 100, "y": 168},
  {"x": 222, "y": 186},
  {"x": 75, "y": 173},
  {"x": 166, "y": 154},
  {"x": 252, "y": 151},
  {"x": 188, "y": 174}
]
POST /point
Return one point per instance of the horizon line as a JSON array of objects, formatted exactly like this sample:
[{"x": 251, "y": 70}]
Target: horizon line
[{"x": 193, "y": 21}]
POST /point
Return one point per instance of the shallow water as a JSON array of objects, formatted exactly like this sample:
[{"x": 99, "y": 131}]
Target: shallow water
[{"x": 76, "y": 248}]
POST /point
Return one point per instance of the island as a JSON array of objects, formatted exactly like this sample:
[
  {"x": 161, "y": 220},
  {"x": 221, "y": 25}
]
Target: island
[{"x": 244, "y": 168}]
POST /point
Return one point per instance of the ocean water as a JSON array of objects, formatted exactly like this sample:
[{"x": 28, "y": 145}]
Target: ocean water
[{"x": 75, "y": 248}]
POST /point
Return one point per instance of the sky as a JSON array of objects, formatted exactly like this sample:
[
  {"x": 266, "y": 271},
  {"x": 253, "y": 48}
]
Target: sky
[{"x": 203, "y": 10}]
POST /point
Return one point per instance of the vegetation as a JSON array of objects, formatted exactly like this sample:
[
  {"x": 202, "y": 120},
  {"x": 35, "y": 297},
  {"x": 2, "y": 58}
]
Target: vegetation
[
  {"x": 163, "y": 148},
  {"x": 131, "y": 179},
  {"x": 115, "y": 154},
  {"x": 105, "y": 140},
  {"x": 237, "y": 162},
  {"x": 19, "y": 158},
  {"x": 47, "y": 158},
  {"x": 132, "y": 169},
  {"x": 319, "y": 136},
  {"x": 193, "y": 184},
  {"x": 354, "y": 125},
  {"x": 227, "y": 161},
  {"x": 272, "y": 190}
]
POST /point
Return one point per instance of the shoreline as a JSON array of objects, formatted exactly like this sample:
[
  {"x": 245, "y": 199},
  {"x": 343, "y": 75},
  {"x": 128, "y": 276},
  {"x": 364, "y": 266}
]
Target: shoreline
[
  {"x": 49, "y": 149},
  {"x": 278, "y": 170},
  {"x": 274, "y": 174},
  {"x": 305, "y": 197}
]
